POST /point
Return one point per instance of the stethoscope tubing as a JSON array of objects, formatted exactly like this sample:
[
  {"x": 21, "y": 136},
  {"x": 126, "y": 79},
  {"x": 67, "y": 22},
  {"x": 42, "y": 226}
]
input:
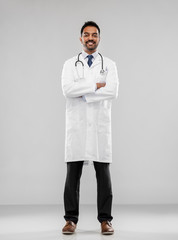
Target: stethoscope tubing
[{"x": 79, "y": 61}]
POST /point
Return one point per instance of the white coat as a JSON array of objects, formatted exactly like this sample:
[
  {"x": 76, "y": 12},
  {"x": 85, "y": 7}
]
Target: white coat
[{"x": 88, "y": 134}]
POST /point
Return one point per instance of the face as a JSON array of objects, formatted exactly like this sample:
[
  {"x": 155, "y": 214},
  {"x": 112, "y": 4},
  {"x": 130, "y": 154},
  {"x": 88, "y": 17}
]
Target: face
[{"x": 90, "y": 39}]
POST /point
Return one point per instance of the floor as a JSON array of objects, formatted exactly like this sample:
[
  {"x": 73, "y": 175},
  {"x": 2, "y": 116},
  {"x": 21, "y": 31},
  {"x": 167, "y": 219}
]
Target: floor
[{"x": 131, "y": 222}]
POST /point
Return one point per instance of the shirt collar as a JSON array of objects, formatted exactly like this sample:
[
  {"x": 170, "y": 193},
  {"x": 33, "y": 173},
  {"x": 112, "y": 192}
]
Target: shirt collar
[{"x": 84, "y": 54}]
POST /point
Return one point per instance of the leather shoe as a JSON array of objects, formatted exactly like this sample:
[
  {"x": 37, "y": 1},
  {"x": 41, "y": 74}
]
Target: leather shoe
[
  {"x": 69, "y": 227},
  {"x": 106, "y": 227}
]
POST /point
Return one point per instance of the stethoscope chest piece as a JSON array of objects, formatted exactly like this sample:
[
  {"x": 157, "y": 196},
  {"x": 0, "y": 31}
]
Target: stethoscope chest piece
[{"x": 102, "y": 72}]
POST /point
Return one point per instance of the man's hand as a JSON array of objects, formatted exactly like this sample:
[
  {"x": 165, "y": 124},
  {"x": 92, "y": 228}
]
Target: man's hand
[{"x": 99, "y": 85}]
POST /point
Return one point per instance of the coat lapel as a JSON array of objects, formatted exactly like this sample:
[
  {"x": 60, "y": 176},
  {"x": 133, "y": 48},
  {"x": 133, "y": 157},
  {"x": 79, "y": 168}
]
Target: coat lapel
[
  {"x": 96, "y": 61},
  {"x": 84, "y": 61}
]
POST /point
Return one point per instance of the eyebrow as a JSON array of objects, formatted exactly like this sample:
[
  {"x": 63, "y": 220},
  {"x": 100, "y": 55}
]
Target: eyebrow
[{"x": 89, "y": 33}]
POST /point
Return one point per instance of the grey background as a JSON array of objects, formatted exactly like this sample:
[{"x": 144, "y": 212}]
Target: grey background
[{"x": 36, "y": 37}]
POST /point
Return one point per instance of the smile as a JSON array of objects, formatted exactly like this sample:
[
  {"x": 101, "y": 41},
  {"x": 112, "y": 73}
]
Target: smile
[{"x": 90, "y": 43}]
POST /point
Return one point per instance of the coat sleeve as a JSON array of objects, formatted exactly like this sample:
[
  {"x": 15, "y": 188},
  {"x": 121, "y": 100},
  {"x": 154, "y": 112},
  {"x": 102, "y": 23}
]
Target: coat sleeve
[
  {"x": 110, "y": 90},
  {"x": 72, "y": 87}
]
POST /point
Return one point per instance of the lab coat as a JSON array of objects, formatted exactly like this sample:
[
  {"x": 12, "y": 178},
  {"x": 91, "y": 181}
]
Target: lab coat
[{"x": 88, "y": 133}]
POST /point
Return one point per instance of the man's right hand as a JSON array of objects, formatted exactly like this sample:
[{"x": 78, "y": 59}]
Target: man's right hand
[{"x": 99, "y": 85}]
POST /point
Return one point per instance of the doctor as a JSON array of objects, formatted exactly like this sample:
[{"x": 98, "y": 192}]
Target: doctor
[{"x": 89, "y": 83}]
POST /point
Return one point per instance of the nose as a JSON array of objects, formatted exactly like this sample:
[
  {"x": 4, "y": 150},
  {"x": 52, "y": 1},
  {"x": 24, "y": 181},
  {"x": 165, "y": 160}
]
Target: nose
[{"x": 90, "y": 37}]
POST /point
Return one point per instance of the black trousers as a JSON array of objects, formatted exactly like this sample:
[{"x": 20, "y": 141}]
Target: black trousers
[{"x": 72, "y": 191}]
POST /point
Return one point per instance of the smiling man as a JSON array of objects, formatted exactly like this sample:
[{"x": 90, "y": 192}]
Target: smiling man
[
  {"x": 89, "y": 83},
  {"x": 90, "y": 39}
]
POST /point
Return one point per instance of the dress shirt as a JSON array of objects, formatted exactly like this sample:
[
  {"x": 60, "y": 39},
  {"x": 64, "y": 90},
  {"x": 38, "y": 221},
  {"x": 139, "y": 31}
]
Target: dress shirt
[{"x": 85, "y": 55}]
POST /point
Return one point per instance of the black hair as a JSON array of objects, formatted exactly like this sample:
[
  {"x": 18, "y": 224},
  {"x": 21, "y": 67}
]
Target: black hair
[{"x": 89, "y": 23}]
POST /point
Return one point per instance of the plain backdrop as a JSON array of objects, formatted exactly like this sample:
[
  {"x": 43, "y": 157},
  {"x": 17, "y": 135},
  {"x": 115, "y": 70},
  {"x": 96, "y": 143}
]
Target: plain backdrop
[{"x": 36, "y": 37}]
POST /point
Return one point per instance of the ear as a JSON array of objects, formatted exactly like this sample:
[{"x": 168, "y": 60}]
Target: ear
[{"x": 80, "y": 39}]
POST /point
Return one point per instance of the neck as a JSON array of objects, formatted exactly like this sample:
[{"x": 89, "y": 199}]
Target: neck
[{"x": 89, "y": 52}]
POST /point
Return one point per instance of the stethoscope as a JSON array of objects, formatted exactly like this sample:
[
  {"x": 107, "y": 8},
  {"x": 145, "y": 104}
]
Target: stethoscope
[{"x": 102, "y": 71}]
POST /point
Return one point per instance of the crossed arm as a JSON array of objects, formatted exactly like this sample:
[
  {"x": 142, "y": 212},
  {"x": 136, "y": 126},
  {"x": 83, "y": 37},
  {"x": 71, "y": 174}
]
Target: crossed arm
[{"x": 93, "y": 92}]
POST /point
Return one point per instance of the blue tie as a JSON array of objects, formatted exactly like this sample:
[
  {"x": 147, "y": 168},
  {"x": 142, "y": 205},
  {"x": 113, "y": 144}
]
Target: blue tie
[{"x": 90, "y": 60}]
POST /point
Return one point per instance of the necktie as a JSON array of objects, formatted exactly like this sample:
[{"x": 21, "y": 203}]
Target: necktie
[{"x": 90, "y": 60}]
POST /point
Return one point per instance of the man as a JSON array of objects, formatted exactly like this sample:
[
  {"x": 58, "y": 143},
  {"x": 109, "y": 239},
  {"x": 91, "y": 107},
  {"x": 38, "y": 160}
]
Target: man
[{"x": 89, "y": 83}]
